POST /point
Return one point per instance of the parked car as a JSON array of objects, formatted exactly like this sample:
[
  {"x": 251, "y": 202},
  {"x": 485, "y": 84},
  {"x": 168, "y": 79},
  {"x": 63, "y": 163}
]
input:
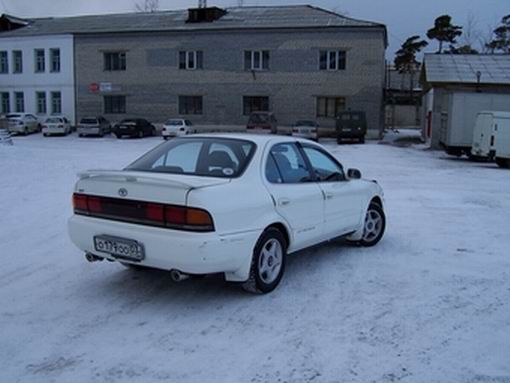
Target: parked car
[
  {"x": 306, "y": 129},
  {"x": 94, "y": 126},
  {"x": 56, "y": 125},
  {"x": 134, "y": 127},
  {"x": 351, "y": 125},
  {"x": 230, "y": 203},
  {"x": 264, "y": 122},
  {"x": 23, "y": 123},
  {"x": 177, "y": 127}
]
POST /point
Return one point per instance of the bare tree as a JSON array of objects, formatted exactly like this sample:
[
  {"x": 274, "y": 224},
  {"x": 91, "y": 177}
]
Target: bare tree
[
  {"x": 470, "y": 32},
  {"x": 147, "y": 6},
  {"x": 240, "y": 3}
]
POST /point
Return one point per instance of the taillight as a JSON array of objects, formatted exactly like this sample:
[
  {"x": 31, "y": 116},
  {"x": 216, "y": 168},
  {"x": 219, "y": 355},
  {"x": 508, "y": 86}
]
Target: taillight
[{"x": 145, "y": 213}]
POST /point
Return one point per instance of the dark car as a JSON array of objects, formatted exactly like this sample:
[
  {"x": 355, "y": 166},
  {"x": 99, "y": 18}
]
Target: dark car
[
  {"x": 133, "y": 127},
  {"x": 351, "y": 125},
  {"x": 263, "y": 122}
]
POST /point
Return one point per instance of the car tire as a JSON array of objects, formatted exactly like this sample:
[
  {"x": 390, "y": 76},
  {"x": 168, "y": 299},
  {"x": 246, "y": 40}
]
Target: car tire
[
  {"x": 165, "y": 138},
  {"x": 362, "y": 140},
  {"x": 80, "y": 135},
  {"x": 117, "y": 135},
  {"x": 268, "y": 263},
  {"x": 373, "y": 226},
  {"x": 503, "y": 162},
  {"x": 25, "y": 131},
  {"x": 140, "y": 134}
]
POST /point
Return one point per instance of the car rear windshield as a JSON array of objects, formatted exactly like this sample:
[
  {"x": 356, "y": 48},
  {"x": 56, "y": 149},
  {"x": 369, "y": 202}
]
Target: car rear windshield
[
  {"x": 259, "y": 118},
  {"x": 174, "y": 122},
  {"x": 198, "y": 156},
  {"x": 13, "y": 116},
  {"x": 305, "y": 123},
  {"x": 53, "y": 120},
  {"x": 91, "y": 121}
]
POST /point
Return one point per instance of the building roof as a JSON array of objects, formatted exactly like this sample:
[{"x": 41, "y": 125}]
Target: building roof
[
  {"x": 296, "y": 16},
  {"x": 463, "y": 69}
]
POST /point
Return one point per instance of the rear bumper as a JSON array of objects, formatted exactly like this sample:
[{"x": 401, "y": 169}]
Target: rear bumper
[
  {"x": 16, "y": 128},
  {"x": 311, "y": 136},
  {"x": 166, "y": 133},
  {"x": 166, "y": 249},
  {"x": 89, "y": 131},
  {"x": 54, "y": 130}
]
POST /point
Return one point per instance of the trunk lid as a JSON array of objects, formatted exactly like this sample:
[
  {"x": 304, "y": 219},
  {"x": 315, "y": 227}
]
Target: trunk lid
[{"x": 143, "y": 186}]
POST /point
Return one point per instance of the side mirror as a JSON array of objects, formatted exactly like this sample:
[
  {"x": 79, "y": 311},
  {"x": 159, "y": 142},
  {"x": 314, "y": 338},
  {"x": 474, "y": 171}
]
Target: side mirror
[{"x": 353, "y": 174}]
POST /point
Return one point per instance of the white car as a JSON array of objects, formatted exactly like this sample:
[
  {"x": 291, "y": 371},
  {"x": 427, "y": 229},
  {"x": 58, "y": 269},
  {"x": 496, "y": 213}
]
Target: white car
[
  {"x": 232, "y": 203},
  {"x": 22, "y": 123},
  {"x": 306, "y": 129},
  {"x": 177, "y": 127},
  {"x": 56, "y": 125}
]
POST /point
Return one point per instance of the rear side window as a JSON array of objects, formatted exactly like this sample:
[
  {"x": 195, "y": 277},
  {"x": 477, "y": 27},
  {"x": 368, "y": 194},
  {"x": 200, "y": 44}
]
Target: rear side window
[
  {"x": 210, "y": 157},
  {"x": 290, "y": 163}
]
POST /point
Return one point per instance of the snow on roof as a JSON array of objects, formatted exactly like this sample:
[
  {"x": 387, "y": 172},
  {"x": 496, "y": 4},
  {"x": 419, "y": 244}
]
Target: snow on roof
[{"x": 449, "y": 68}]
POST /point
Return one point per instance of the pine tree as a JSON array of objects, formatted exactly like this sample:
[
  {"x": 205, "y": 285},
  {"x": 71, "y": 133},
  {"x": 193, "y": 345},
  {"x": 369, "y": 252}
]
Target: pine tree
[
  {"x": 444, "y": 31},
  {"x": 501, "y": 40}
]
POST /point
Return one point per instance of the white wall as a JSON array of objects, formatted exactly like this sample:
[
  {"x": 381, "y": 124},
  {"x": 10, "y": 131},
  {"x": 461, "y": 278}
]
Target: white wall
[{"x": 29, "y": 82}]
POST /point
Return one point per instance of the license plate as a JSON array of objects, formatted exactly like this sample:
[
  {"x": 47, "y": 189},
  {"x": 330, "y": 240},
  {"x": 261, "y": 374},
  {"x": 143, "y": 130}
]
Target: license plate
[
  {"x": 346, "y": 130},
  {"x": 119, "y": 247}
]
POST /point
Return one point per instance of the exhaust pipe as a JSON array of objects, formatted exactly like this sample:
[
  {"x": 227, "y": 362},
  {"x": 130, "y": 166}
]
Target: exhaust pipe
[
  {"x": 177, "y": 276},
  {"x": 92, "y": 258}
]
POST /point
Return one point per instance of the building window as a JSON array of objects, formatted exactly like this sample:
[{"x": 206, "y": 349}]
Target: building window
[
  {"x": 255, "y": 104},
  {"x": 4, "y": 62},
  {"x": 56, "y": 103},
  {"x": 40, "y": 98},
  {"x": 330, "y": 106},
  {"x": 332, "y": 60},
  {"x": 114, "y": 61},
  {"x": 17, "y": 59},
  {"x": 55, "y": 59},
  {"x": 191, "y": 60},
  {"x": 19, "y": 99},
  {"x": 115, "y": 104},
  {"x": 256, "y": 60},
  {"x": 6, "y": 102},
  {"x": 40, "y": 65},
  {"x": 190, "y": 105}
]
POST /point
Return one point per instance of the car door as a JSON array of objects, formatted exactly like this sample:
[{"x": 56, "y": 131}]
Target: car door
[
  {"x": 343, "y": 199},
  {"x": 31, "y": 122},
  {"x": 297, "y": 198}
]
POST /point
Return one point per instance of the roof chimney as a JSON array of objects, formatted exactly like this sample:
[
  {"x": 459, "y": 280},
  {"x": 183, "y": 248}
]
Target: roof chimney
[{"x": 204, "y": 13}]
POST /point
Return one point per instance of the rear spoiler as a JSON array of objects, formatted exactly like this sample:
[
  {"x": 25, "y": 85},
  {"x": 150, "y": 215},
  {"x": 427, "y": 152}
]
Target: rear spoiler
[{"x": 129, "y": 177}]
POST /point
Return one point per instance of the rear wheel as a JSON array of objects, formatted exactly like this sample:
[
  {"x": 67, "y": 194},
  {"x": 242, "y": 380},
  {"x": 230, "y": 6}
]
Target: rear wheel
[
  {"x": 374, "y": 226},
  {"x": 117, "y": 135},
  {"x": 140, "y": 134},
  {"x": 362, "y": 140},
  {"x": 268, "y": 263},
  {"x": 503, "y": 162}
]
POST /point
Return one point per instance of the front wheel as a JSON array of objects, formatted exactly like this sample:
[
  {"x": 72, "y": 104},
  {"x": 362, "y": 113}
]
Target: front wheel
[
  {"x": 268, "y": 263},
  {"x": 374, "y": 226}
]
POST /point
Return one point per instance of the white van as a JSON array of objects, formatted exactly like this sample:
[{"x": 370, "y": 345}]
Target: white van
[
  {"x": 488, "y": 128},
  {"x": 502, "y": 145}
]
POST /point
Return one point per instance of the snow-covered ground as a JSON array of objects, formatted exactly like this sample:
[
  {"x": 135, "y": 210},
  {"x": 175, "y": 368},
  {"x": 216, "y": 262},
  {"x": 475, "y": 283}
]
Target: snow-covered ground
[{"x": 430, "y": 303}]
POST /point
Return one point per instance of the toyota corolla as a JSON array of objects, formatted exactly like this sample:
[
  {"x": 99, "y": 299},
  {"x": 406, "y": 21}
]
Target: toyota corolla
[{"x": 231, "y": 203}]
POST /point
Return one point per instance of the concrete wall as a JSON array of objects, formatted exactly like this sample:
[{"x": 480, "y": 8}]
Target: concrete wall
[
  {"x": 153, "y": 82},
  {"x": 29, "y": 82}
]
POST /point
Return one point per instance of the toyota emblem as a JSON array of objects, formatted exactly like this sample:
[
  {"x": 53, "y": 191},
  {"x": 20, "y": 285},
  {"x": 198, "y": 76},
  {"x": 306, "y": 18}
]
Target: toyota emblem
[{"x": 123, "y": 192}]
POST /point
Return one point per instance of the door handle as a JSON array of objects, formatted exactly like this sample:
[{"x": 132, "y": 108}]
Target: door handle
[
  {"x": 283, "y": 201},
  {"x": 328, "y": 195}
]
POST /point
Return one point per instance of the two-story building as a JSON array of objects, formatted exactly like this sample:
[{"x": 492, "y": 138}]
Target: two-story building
[
  {"x": 37, "y": 74},
  {"x": 216, "y": 66}
]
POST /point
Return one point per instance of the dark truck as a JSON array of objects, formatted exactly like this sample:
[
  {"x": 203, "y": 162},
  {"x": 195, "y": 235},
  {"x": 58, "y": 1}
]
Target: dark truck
[{"x": 351, "y": 125}]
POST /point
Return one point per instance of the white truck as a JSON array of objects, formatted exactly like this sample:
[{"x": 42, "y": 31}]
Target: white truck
[
  {"x": 459, "y": 113},
  {"x": 485, "y": 133}
]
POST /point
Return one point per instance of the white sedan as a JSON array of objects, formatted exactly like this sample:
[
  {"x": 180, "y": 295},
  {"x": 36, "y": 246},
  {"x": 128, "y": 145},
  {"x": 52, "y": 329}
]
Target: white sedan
[
  {"x": 177, "y": 127},
  {"x": 231, "y": 203},
  {"x": 22, "y": 123},
  {"x": 56, "y": 125}
]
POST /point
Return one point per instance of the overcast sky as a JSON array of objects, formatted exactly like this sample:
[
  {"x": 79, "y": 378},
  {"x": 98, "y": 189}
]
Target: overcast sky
[{"x": 402, "y": 17}]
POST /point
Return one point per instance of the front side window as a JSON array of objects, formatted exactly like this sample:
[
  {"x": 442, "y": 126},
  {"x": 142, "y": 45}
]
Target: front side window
[
  {"x": 55, "y": 59},
  {"x": 19, "y": 102},
  {"x": 41, "y": 102},
  {"x": 255, "y": 104},
  {"x": 56, "y": 103},
  {"x": 4, "y": 62},
  {"x": 191, "y": 60},
  {"x": 40, "y": 62},
  {"x": 332, "y": 60},
  {"x": 190, "y": 105},
  {"x": 208, "y": 157},
  {"x": 256, "y": 60},
  {"x": 290, "y": 164},
  {"x": 325, "y": 168},
  {"x": 115, "y": 61},
  {"x": 17, "y": 59},
  {"x": 114, "y": 104},
  {"x": 330, "y": 106},
  {"x": 5, "y": 102}
]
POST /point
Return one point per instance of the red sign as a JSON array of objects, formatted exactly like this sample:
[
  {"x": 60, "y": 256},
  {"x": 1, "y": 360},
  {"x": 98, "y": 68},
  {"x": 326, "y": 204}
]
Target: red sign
[{"x": 94, "y": 88}]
